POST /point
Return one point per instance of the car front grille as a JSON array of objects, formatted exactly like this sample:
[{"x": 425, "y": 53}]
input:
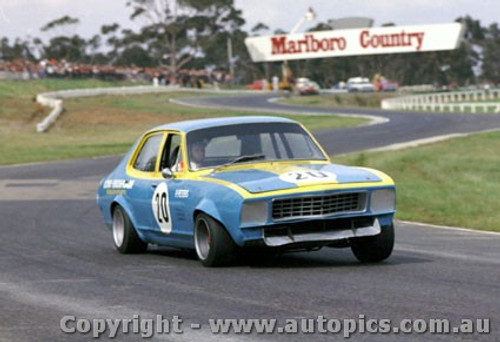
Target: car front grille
[{"x": 311, "y": 206}]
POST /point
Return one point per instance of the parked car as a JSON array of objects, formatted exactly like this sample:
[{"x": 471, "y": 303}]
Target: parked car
[
  {"x": 305, "y": 86},
  {"x": 258, "y": 85},
  {"x": 224, "y": 186},
  {"x": 359, "y": 84},
  {"x": 383, "y": 84}
]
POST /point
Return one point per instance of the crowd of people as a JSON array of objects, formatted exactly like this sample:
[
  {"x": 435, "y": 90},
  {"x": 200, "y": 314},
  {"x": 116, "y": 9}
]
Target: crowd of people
[{"x": 27, "y": 70}]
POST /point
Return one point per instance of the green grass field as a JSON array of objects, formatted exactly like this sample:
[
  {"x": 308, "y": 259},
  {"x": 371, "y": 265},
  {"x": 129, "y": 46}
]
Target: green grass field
[
  {"x": 453, "y": 183},
  {"x": 100, "y": 125}
]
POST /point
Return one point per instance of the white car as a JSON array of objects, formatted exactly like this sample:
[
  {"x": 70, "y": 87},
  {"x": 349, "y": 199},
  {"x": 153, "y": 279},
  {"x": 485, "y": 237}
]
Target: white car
[
  {"x": 305, "y": 86},
  {"x": 359, "y": 84}
]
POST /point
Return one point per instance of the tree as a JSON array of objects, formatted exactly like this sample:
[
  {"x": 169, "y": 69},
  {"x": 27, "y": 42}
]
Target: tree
[
  {"x": 61, "y": 26},
  {"x": 20, "y": 49},
  {"x": 135, "y": 55},
  {"x": 63, "y": 45},
  {"x": 259, "y": 28},
  {"x": 93, "y": 46},
  {"x": 491, "y": 51},
  {"x": 222, "y": 23},
  {"x": 173, "y": 28},
  {"x": 71, "y": 49}
]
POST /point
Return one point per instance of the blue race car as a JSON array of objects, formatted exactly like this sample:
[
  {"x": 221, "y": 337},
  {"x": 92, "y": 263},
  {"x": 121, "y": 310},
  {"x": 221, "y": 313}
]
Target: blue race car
[{"x": 222, "y": 186}]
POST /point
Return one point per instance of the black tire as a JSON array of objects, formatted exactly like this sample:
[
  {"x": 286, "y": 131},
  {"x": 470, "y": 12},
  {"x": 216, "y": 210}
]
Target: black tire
[
  {"x": 214, "y": 246},
  {"x": 374, "y": 248},
  {"x": 125, "y": 237}
]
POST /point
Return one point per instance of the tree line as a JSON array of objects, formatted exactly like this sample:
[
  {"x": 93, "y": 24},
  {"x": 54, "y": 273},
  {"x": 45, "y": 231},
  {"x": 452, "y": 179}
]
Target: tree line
[{"x": 195, "y": 34}]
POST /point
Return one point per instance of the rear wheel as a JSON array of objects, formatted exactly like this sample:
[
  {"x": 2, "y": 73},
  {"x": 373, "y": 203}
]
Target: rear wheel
[
  {"x": 125, "y": 237},
  {"x": 374, "y": 248},
  {"x": 214, "y": 245}
]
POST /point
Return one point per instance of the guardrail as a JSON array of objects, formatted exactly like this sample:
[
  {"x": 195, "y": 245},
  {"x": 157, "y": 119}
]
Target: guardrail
[
  {"x": 455, "y": 101},
  {"x": 54, "y": 99}
]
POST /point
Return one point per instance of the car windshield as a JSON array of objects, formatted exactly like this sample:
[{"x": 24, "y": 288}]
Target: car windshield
[{"x": 256, "y": 142}]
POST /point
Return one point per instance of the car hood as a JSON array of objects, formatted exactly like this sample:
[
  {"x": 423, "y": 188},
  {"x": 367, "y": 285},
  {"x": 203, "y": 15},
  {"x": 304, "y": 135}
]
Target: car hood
[{"x": 282, "y": 177}]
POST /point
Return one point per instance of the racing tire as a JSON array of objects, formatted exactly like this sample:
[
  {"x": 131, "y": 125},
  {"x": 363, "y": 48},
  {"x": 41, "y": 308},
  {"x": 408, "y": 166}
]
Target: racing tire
[
  {"x": 374, "y": 248},
  {"x": 214, "y": 246},
  {"x": 125, "y": 237}
]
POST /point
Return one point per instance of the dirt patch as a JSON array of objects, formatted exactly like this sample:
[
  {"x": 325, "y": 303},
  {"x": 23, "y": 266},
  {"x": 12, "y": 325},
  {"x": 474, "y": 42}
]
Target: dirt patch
[{"x": 22, "y": 110}]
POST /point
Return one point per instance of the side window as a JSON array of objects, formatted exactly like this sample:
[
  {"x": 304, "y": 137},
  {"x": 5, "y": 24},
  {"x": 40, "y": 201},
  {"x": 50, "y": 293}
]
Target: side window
[
  {"x": 146, "y": 159},
  {"x": 171, "y": 152}
]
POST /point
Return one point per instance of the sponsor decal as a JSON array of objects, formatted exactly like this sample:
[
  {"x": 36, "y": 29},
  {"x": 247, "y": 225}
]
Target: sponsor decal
[
  {"x": 282, "y": 45},
  {"x": 413, "y": 39},
  {"x": 126, "y": 184},
  {"x": 301, "y": 177},
  {"x": 309, "y": 44},
  {"x": 181, "y": 193}
]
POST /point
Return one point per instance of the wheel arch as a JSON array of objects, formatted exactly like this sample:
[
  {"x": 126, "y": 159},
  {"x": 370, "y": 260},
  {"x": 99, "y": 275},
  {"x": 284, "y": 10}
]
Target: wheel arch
[
  {"x": 209, "y": 209},
  {"x": 120, "y": 201},
  {"x": 199, "y": 211}
]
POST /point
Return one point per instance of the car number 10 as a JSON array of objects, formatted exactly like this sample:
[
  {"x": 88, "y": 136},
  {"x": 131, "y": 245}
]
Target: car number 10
[{"x": 161, "y": 208}]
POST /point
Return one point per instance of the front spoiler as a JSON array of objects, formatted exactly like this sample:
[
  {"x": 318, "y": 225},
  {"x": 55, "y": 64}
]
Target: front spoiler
[{"x": 335, "y": 235}]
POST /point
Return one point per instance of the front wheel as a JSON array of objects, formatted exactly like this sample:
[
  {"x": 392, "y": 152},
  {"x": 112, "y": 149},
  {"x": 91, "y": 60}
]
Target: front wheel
[
  {"x": 124, "y": 234},
  {"x": 214, "y": 245},
  {"x": 374, "y": 248}
]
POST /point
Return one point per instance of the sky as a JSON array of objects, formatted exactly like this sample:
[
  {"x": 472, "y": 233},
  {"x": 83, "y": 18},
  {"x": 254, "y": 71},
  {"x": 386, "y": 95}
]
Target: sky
[{"x": 22, "y": 18}]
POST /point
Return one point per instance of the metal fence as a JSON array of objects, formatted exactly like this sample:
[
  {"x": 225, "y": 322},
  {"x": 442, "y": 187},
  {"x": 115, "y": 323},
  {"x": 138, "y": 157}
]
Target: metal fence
[{"x": 475, "y": 101}]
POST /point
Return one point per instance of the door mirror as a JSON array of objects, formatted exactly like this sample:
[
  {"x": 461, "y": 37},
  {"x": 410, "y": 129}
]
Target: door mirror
[{"x": 167, "y": 173}]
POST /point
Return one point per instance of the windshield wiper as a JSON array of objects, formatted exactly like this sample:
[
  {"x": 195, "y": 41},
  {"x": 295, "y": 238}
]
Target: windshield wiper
[{"x": 240, "y": 160}]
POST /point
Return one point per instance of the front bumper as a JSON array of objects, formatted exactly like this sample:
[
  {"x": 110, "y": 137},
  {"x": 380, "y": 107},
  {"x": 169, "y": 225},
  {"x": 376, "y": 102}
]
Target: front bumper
[
  {"x": 322, "y": 217},
  {"x": 323, "y": 232},
  {"x": 319, "y": 232}
]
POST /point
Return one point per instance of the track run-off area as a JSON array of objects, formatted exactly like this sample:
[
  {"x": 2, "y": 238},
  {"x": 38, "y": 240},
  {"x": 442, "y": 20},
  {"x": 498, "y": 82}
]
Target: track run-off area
[{"x": 58, "y": 259}]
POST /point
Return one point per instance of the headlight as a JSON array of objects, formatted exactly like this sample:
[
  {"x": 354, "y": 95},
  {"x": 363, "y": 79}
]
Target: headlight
[
  {"x": 383, "y": 200},
  {"x": 254, "y": 213}
]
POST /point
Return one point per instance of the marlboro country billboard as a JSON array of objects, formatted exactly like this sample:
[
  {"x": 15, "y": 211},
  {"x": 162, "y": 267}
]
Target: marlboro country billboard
[{"x": 354, "y": 42}]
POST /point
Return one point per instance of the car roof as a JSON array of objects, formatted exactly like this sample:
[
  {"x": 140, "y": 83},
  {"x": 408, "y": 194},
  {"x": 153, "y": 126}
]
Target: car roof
[{"x": 192, "y": 125}]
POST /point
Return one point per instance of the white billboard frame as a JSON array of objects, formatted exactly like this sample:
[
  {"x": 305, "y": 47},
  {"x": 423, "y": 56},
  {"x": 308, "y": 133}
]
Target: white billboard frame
[{"x": 355, "y": 42}]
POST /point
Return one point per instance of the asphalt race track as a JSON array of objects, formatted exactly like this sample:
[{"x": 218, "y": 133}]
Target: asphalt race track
[
  {"x": 57, "y": 259},
  {"x": 401, "y": 127}
]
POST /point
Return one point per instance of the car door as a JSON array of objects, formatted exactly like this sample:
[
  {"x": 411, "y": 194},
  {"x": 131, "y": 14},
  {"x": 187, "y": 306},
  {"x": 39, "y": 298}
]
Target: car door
[
  {"x": 143, "y": 168},
  {"x": 159, "y": 202},
  {"x": 164, "y": 189},
  {"x": 181, "y": 194}
]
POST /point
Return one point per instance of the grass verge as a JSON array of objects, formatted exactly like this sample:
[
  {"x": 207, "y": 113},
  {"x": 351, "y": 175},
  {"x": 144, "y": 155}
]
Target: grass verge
[
  {"x": 452, "y": 183},
  {"x": 352, "y": 100},
  {"x": 100, "y": 125}
]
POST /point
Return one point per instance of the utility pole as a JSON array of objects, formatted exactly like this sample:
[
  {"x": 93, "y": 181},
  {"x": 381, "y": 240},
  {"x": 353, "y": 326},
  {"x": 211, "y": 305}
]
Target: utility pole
[{"x": 230, "y": 58}]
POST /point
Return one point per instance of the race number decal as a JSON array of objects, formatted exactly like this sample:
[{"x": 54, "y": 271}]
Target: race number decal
[
  {"x": 161, "y": 208},
  {"x": 309, "y": 177}
]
